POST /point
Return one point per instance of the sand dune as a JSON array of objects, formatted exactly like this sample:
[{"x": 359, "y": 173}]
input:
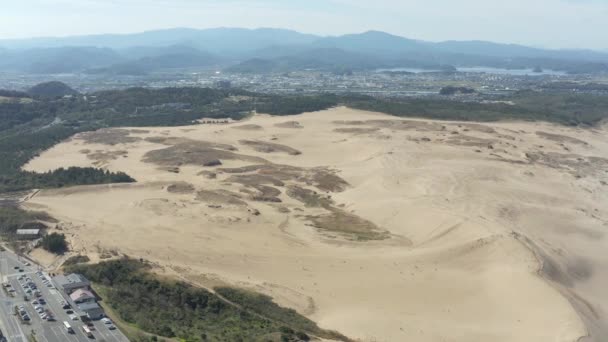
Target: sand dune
[{"x": 381, "y": 228}]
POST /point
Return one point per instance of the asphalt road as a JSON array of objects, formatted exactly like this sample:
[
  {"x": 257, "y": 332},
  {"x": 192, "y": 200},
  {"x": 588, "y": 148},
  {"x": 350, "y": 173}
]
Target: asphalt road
[{"x": 16, "y": 330}]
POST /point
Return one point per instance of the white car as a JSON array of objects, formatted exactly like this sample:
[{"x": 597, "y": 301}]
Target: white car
[
  {"x": 73, "y": 317},
  {"x": 106, "y": 320}
]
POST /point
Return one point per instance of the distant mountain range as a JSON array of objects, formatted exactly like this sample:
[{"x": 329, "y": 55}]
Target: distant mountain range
[{"x": 274, "y": 50}]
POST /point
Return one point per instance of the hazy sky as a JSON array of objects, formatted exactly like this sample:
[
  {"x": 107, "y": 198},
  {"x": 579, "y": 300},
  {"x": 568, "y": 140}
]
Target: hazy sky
[{"x": 543, "y": 23}]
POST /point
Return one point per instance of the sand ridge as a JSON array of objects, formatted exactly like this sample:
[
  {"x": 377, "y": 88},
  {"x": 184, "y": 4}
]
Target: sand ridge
[{"x": 463, "y": 212}]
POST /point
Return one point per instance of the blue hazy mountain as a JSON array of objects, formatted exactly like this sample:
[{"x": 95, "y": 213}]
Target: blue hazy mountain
[{"x": 264, "y": 50}]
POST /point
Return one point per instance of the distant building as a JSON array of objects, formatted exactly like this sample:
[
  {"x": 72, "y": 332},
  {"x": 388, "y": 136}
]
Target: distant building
[
  {"x": 72, "y": 282},
  {"x": 82, "y": 296},
  {"x": 91, "y": 310},
  {"x": 28, "y": 234}
]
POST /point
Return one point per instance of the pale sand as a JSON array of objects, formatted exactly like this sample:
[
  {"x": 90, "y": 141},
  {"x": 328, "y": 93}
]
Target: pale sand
[{"x": 453, "y": 270}]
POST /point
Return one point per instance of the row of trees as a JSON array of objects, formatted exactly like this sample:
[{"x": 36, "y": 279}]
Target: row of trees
[{"x": 60, "y": 178}]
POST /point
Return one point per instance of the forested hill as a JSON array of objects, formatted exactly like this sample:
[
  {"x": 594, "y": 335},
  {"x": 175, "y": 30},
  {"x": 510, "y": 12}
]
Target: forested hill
[{"x": 51, "y": 89}]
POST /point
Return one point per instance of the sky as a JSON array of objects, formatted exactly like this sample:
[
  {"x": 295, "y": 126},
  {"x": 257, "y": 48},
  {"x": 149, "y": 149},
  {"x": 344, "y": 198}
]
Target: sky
[{"x": 539, "y": 23}]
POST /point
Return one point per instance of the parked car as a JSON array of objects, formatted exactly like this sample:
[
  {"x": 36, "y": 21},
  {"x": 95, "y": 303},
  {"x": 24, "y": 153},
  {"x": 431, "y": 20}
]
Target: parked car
[
  {"x": 69, "y": 312},
  {"x": 111, "y": 327}
]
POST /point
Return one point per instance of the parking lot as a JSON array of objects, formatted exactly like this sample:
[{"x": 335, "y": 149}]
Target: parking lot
[{"x": 23, "y": 287}]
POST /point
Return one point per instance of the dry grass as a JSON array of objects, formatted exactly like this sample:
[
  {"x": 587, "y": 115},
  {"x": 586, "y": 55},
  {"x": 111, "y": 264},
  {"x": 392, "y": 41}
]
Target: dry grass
[
  {"x": 108, "y": 136},
  {"x": 349, "y": 225},
  {"x": 195, "y": 153},
  {"x": 267, "y": 147},
  {"x": 309, "y": 197},
  {"x": 357, "y": 130},
  {"x": 561, "y": 138},
  {"x": 289, "y": 124},
  {"x": 220, "y": 197},
  {"x": 181, "y": 188},
  {"x": 249, "y": 127}
]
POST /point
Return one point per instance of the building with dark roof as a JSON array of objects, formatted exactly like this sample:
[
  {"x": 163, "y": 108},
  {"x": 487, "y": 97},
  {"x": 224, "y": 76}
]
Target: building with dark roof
[
  {"x": 72, "y": 282},
  {"x": 90, "y": 310}
]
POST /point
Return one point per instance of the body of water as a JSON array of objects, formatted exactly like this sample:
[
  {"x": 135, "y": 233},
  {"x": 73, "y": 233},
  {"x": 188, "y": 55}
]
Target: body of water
[
  {"x": 487, "y": 70},
  {"x": 513, "y": 72}
]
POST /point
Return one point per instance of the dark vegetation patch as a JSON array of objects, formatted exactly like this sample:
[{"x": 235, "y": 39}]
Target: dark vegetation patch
[
  {"x": 109, "y": 137},
  {"x": 566, "y": 109},
  {"x": 288, "y": 105},
  {"x": 76, "y": 259},
  {"x": 268, "y": 147},
  {"x": 356, "y": 130},
  {"x": 255, "y": 179},
  {"x": 561, "y": 138},
  {"x": 181, "y": 188},
  {"x": 575, "y": 164},
  {"x": 175, "y": 309},
  {"x": 61, "y": 178},
  {"x": 348, "y": 225},
  {"x": 266, "y": 194},
  {"x": 220, "y": 197},
  {"x": 265, "y": 306},
  {"x": 249, "y": 127},
  {"x": 309, "y": 197},
  {"x": 102, "y": 157},
  {"x": 195, "y": 153},
  {"x": 467, "y": 140},
  {"x": 289, "y": 124},
  {"x": 171, "y": 141},
  {"x": 321, "y": 178},
  {"x": 326, "y": 180},
  {"x": 407, "y": 125},
  {"x": 477, "y": 128},
  {"x": 54, "y": 243}
]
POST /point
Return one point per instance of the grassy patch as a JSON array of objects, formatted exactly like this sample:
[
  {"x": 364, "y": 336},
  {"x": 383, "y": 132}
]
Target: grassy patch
[
  {"x": 265, "y": 306},
  {"x": 76, "y": 259}
]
